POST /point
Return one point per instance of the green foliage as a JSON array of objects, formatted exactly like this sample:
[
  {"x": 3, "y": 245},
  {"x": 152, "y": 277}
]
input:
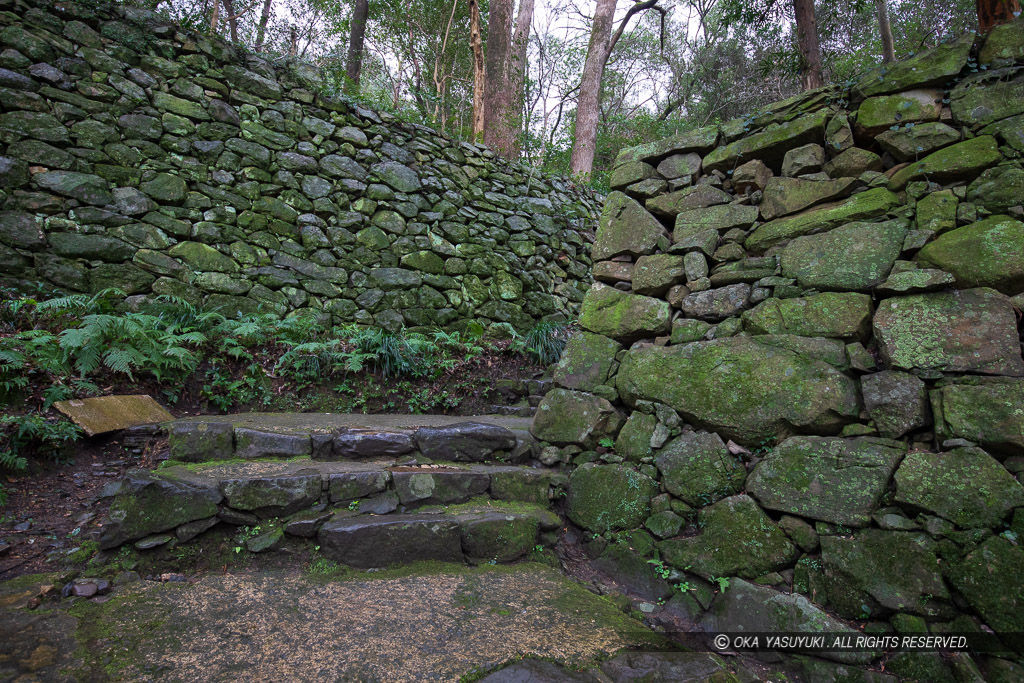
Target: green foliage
[{"x": 33, "y": 434}]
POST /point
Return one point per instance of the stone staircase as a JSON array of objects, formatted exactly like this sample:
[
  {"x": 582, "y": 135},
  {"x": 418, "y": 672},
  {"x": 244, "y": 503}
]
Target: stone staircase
[{"x": 373, "y": 491}]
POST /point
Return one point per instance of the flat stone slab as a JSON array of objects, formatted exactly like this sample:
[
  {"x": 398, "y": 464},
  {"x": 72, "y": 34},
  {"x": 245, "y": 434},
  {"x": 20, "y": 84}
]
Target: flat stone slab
[
  {"x": 398, "y": 626},
  {"x": 110, "y": 413},
  {"x": 343, "y": 436}
]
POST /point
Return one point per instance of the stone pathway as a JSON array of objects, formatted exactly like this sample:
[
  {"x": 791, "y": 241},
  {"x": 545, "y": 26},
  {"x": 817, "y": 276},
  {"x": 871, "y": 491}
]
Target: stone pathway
[{"x": 440, "y": 624}]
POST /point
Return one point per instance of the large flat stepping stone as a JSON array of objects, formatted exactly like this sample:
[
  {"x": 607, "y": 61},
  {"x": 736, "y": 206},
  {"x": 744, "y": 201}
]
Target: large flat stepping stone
[
  {"x": 335, "y": 436},
  {"x": 187, "y": 499},
  {"x": 473, "y": 535}
]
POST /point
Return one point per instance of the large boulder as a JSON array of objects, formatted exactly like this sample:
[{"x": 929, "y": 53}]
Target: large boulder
[
  {"x": 989, "y": 253},
  {"x": 438, "y": 487},
  {"x": 973, "y": 330},
  {"x": 622, "y": 316},
  {"x": 272, "y": 496},
  {"x": 986, "y": 412},
  {"x": 841, "y": 481},
  {"x": 749, "y": 608},
  {"x": 964, "y": 160},
  {"x": 151, "y": 502},
  {"x": 367, "y": 542},
  {"x": 897, "y": 402},
  {"x": 783, "y": 196},
  {"x": 998, "y": 189},
  {"x": 860, "y": 572},
  {"x": 855, "y": 257},
  {"x": 736, "y": 539},
  {"x": 948, "y": 485},
  {"x": 626, "y": 228},
  {"x": 573, "y": 417},
  {"x": 835, "y": 315},
  {"x": 464, "y": 441},
  {"x": 769, "y": 145},
  {"x": 927, "y": 68},
  {"x": 698, "y": 469},
  {"x": 740, "y": 388},
  {"x": 607, "y": 497},
  {"x": 989, "y": 578}
]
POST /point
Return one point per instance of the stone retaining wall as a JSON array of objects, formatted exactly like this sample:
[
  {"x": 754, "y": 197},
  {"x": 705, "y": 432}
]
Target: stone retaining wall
[
  {"x": 801, "y": 363},
  {"x": 138, "y": 156}
]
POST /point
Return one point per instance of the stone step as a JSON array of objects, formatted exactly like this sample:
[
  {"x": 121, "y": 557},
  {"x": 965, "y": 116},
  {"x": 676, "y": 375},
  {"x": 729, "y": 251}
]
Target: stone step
[
  {"x": 467, "y": 535},
  {"x": 184, "y": 497},
  {"x": 334, "y": 436}
]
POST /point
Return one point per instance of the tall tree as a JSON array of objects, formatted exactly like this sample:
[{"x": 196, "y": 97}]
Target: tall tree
[
  {"x": 476, "y": 44},
  {"x": 356, "y": 39},
  {"x": 991, "y": 13},
  {"x": 810, "y": 48},
  {"x": 498, "y": 102},
  {"x": 885, "y": 31},
  {"x": 588, "y": 104},
  {"x": 261, "y": 30}
]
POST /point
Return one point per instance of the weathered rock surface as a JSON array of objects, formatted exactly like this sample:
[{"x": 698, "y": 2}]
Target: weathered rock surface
[{"x": 607, "y": 497}]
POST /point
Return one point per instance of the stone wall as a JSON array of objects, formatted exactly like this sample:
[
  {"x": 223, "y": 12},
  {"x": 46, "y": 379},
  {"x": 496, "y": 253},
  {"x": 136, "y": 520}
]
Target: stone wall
[
  {"x": 800, "y": 365},
  {"x": 138, "y": 156}
]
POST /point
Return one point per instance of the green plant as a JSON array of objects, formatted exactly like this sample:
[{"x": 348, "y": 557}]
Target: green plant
[
  {"x": 606, "y": 442},
  {"x": 354, "y": 506},
  {"x": 546, "y": 341},
  {"x": 33, "y": 434},
  {"x": 722, "y": 581},
  {"x": 660, "y": 569}
]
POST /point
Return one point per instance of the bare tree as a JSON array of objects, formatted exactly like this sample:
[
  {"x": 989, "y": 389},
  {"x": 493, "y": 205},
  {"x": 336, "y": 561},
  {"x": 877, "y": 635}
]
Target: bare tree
[
  {"x": 357, "y": 36},
  {"x": 885, "y": 30},
  {"x": 588, "y": 106},
  {"x": 261, "y": 30}
]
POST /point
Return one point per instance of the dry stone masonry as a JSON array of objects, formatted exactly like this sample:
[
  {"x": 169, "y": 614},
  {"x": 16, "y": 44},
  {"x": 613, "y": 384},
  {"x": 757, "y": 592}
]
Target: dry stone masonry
[
  {"x": 139, "y": 156},
  {"x": 800, "y": 362}
]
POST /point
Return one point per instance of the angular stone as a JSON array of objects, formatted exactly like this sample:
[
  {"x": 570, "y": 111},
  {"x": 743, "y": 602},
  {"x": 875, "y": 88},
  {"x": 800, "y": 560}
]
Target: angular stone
[
  {"x": 201, "y": 441},
  {"x": 989, "y": 253},
  {"x": 700, "y": 141},
  {"x": 653, "y": 275},
  {"x": 897, "y": 402},
  {"x": 877, "y": 114},
  {"x": 348, "y": 486},
  {"x": 804, "y": 159},
  {"x": 736, "y": 539},
  {"x": 915, "y": 282},
  {"x": 834, "y": 315},
  {"x": 587, "y": 361},
  {"x": 962, "y": 161},
  {"x": 189, "y": 530},
  {"x": 438, "y": 486},
  {"x": 252, "y": 444},
  {"x": 630, "y": 173},
  {"x": 970, "y": 330},
  {"x": 861, "y": 572},
  {"x": 769, "y": 145},
  {"x": 741, "y": 389},
  {"x": 999, "y": 189},
  {"x": 572, "y": 417},
  {"x": 272, "y": 496},
  {"x": 699, "y": 197},
  {"x": 985, "y": 578},
  {"x": 151, "y": 502},
  {"x": 680, "y": 165},
  {"x": 721, "y": 218},
  {"x": 698, "y": 469},
  {"x": 784, "y": 196},
  {"x": 840, "y": 481},
  {"x": 370, "y": 542},
  {"x": 717, "y": 304},
  {"x": 395, "y": 278},
  {"x": 398, "y": 176},
  {"x": 856, "y": 256},
  {"x": 202, "y": 257},
  {"x": 21, "y": 230},
  {"x": 613, "y": 272},
  {"x": 947, "y": 485},
  {"x": 753, "y": 175},
  {"x": 353, "y": 444},
  {"x": 852, "y": 163},
  {"x": 911, "y": 144},
  {"x": 166, "y": 188},
  {"x": 987, "y": 97},
  {"x": 866, "y": 205},
  {"x": 497, "y": 537},
  {"x": 985, "y": 412},
  {"x": 609, "y": 497},
  {"x": 934, "y": 67},
  {"x": 937, "y": 211},
  {"x": 621, "y": 316},
  {"x": 634, "y": 441},
  {"x": 86, "y": 188},
  {"x": 464, "y": 441},
  {"x": 424, "y": 261},
  {"x": 831, "y": 351},
  {"x": 626, "y": 228}
]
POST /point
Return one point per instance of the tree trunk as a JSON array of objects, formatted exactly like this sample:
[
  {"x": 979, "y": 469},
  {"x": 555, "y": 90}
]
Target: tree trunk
[
  {"x": 476, "y": 44},
  {"x": 515, "y": 74},
  {"x": 885, "y": 30},
  {"x": 810, "y": 49},
  {"x": 356, "y": 38},
  {"x": 229, "y": 7},
  {"x": 991, "y": 13},
  {"x": 589, "y": 101},
  {"x": 293, "y": 40},
  {"x": 498, "y": 132},
  {"x": 261, "y": 31},
  {"x": 215, "y": 17}
]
